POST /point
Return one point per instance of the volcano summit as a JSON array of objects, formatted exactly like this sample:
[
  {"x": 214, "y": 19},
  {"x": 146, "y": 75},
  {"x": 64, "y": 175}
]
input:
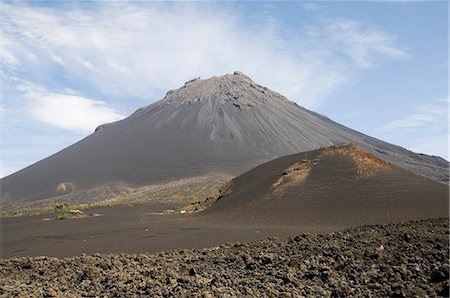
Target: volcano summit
[{"x": 222, "y": 125}]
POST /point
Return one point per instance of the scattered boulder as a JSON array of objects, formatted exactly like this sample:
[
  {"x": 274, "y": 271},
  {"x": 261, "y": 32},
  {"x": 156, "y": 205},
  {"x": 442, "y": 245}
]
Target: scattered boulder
[
  {"x": 76, "y": 212},
  {"x": 306, "y": 265},
  {"x": 442, "y": 274}
]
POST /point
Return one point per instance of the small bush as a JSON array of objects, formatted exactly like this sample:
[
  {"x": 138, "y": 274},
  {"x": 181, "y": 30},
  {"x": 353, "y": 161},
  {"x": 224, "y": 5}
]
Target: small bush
[
  {"x": 18, "y": 213},
  {"x": 61, "y": 206},
  {"x": 61, "y": 216}
]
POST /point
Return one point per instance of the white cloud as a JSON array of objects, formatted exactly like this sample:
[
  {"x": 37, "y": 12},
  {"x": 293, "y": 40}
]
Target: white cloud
[
  {"x": 424, "y": 115},
  {"x": 141, "y": 50},
  {"x": 444, "y": 99},
  {"x": 67, "y": 110},
  {"x": 312, "y": 6},
  {"x": 424, "y": 129},
  {"x": 7, "y": 56},
  {"x": 362, "y": 44}
]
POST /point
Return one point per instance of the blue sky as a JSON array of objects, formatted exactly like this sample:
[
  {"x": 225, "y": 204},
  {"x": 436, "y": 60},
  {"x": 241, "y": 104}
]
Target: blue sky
[{"x": 377, "y": 67}]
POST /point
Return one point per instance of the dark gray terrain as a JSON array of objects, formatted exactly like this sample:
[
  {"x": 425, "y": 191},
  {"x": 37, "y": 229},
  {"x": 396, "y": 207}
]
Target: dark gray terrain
[
  {"x": 318, "y": 191},
  {"x": 222, "y": 125},
  {"x": 396, "y": 260},
  {"x": 337, "y": 186}
]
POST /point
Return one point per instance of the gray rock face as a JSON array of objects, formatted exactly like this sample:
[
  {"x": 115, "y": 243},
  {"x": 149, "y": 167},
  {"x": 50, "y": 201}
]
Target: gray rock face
[{"x": 225, "y": 124}]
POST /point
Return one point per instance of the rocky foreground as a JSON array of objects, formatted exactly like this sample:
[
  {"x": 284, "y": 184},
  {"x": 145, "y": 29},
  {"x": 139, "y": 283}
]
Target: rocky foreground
[{"x": 396, "y": 260}]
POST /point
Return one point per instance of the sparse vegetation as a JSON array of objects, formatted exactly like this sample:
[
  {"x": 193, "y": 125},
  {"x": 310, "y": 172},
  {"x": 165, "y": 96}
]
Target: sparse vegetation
[
  {"x": 61, "y": 216},
  {"x": 180, "y": 191},
  {"x": 18, "y": 213},
  {"x": 175, "y": 197},
  {"x": 195, "y": 198},
  {"x": 61, "y": 206}
]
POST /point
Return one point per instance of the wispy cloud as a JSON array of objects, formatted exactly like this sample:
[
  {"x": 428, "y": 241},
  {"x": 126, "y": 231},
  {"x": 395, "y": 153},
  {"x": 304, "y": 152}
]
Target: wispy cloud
[
  {"x": 420, "y": 116},
  {"x": 312, "y": 6},
  {"x": 66, "y": 109},
  {"x": 141, "y": 50},
  {"x": 423, "y": 129},
  {"x": 363, "y": 45}
]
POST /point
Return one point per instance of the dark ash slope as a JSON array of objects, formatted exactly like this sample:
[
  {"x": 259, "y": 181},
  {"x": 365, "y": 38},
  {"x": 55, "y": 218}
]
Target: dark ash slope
[
  {"x": 338, "y": 186},
  {"x": 222, "y": 125}
]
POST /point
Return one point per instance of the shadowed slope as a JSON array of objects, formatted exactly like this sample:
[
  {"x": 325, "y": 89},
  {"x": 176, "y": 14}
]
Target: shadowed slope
[
  {"x": 222, "y": 125},
  {"x": 342, "y": 185}
]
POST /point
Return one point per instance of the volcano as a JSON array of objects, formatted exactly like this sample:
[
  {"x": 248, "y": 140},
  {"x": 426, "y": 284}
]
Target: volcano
[
  {"x": 222, "y": 125},
  {"x": 337, "y": 186}
]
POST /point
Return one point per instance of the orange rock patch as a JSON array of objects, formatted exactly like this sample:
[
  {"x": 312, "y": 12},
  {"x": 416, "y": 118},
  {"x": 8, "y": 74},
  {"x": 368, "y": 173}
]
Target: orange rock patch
[
  {"x": 293, "y": 175},
  {"x": 366, "y": 163}
]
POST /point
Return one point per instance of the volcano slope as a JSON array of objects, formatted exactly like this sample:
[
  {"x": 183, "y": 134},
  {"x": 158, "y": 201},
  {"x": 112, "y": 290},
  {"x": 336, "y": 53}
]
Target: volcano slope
[
  {"x": 223, "y": 126},
  {"x": 337, "y": 186}
]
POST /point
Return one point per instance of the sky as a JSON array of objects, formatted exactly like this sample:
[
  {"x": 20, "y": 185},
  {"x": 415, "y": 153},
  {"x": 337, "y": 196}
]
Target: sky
[{"x": 377, "y": 67}]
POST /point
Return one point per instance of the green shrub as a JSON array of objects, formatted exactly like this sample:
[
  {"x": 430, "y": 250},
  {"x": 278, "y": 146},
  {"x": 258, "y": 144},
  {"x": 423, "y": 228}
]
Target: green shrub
[
  {"x": 61, "y": 206},
  {"x": 61, "y": 216}
]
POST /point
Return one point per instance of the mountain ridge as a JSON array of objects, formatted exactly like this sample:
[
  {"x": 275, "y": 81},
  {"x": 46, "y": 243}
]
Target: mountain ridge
[{"x": 226, "y": 125}]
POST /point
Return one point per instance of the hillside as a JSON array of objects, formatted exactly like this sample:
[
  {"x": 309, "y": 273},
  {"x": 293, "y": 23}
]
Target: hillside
[
  {"x": 336, "y": 186},
  {"x": 218, "y": 126}
]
